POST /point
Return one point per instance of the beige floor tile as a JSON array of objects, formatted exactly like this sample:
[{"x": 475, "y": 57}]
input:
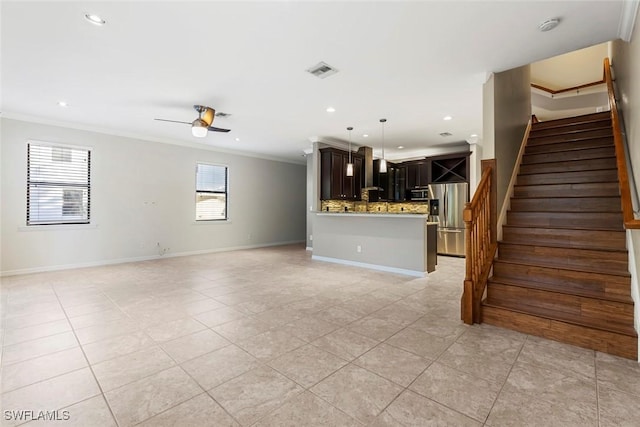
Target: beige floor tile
[
  {"x": 33, "y": 319},
  {"x": 417, "y": 342},
  {"x": 202, "y": 306},
  {"x": 488, "y": 365},
  {"x": 457, "y": 390},
  {"x": 440, "y": 327},
  {"x": 137, "y": 401},
  {"x": 218, "y": 317},
  {"x": 556, "y": 355},
  {"x": 338, "y": 316},
  {"x": 240, "y": 329},
  {"x": 194, "y": 345},
  {"x": 16, "y": 336},
  {"x": 98, "y": 318},
  {"x": 309, "y": 328},
  {"x": 200, "y": 411},
  {"x": 307, "y": 365},
  {"x": 106, "y": 330},
  {"x": 118, "y": 346},
  {"x": 212, "y": 369},
  {"x": 254, "y": 394},
  {"x": 92, "y": 412},
  {"x": 618, "y": 373},
  {"x": 372, "y": 327},
  {"x": 392, "y": 363},
  {"x": 358, "y": 392},
  {"x": 51, "y": 394},
  {"x": 618, "y": 409},
  {"x": 514, "y": 409},
  {"x": 397, "y": 314},
  {"x": 410, "y": 409},
  {"x": 307, "y": 410},
  {"x": 41, "y": 368},
  {"x": 345, "y": 344},
  {"x": 122, "y": 370},
  {"x": 38, "y": 347},
  {"x": 575, "y": 392},
  {"x": 94, "y": 307},
  {"x": 174, "y": 329},
  {"x": 270, "y": 344}
]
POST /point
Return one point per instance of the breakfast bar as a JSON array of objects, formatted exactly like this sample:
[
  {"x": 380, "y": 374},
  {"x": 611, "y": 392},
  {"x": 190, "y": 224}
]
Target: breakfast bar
[{"x": 395, "y": 242}]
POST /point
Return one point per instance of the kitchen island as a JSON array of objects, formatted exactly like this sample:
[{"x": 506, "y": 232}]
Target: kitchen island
[{"x": 395, "y": 242}]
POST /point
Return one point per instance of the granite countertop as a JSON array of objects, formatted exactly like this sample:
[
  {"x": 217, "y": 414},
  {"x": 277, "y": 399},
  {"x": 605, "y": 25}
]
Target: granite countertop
[{"x": 369, "y": 214}]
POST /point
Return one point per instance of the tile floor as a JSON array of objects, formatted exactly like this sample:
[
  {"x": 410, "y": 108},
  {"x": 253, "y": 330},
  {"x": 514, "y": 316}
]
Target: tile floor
[{"x": 270, "y": 338}]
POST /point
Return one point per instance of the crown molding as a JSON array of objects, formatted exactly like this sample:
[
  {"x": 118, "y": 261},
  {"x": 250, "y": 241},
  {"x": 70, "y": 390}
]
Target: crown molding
[{"x": 627, "y": 19}]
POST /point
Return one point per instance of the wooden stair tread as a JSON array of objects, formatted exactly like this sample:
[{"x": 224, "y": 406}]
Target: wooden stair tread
[
  {"x": 542, "y": 286},
  {"x": 571, "y": 120},
  {"x": 594, "y": 339},
  {"x": 570, "y": 128},
  {"x": 565, "y": 317},
  {"x": 576, "y": 220},
  {"x": 565, "y": 268}
]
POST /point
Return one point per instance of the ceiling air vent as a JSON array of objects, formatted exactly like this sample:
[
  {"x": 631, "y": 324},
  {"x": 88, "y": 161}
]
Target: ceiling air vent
[
  {"x": 322, "y": 70},
  {"x": 445, "y": 134}
]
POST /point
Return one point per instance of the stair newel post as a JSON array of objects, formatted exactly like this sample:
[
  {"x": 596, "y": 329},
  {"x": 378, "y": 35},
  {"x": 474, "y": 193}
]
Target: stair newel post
[{"x": 467, "y": 296}]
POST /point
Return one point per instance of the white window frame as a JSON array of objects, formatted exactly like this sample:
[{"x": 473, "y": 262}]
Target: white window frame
[
  {"x": 226, "y": 218},
  {"x": 57, "y": 224}
]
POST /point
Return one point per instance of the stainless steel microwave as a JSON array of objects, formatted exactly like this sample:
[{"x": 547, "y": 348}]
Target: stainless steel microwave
[{"x": 420, "y": 194}]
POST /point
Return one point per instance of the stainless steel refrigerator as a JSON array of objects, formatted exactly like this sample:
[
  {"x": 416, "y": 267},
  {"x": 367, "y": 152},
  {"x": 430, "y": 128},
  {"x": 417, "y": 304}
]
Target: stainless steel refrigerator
[{"x": 448, "y": 213}]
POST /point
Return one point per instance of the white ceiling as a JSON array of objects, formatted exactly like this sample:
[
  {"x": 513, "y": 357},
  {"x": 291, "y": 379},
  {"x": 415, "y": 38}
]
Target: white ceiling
[{"x": 410, "y": 62}]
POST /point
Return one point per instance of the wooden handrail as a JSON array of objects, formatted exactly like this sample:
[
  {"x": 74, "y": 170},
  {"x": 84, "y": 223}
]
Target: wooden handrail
[
  {"x": 480, "y": 220},
  {"x": 621, "y": 157},
  {"x": 568, "y": 89}
]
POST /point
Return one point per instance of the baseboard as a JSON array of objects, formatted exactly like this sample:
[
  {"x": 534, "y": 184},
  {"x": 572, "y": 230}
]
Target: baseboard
[
  {"x": 404, "y": 271},
  {"x": 309, "y": 248},
  {"x": 141, "y": 258}
]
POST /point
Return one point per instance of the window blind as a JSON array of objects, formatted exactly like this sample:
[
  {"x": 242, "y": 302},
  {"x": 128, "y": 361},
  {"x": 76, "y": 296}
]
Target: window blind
[
  {"x": 58, "y": 184},
  {"x": 211, "y": 192}
]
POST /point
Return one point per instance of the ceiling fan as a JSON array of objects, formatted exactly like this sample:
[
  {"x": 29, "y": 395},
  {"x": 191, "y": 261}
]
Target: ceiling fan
[{"x": 202, "y": 125}]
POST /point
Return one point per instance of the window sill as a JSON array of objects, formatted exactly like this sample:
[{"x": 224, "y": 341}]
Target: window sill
[
  {"x": 212, "y": 222},
  {"x": 56, "y": 227}
]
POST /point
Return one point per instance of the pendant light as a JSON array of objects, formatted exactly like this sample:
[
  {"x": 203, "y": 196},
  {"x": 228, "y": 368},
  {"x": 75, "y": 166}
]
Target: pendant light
[
  {"x": 383, "y": 162},
  {"x": 350, "y": 164}
]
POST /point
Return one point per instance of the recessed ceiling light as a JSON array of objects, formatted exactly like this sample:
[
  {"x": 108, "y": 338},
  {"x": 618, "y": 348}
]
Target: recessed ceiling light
[
  {"x": 365, "y": 135},
  {"x": 400, "y": 147},
  {"x": 331, "y": 110},
  {"x": 474, "y": 135},
  {"x": 238, "y": 139},
  {"x": 447, "y": 118},
  {"x": 94, "y": 19},
  {"x": 62, "y": 104},
  {"x": 549, "y": 24}
]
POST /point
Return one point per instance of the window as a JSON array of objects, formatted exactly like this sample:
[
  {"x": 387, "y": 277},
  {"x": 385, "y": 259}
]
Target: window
[
  {"x": 211, "y": 192},
  {"x": 58, "y": 184}
]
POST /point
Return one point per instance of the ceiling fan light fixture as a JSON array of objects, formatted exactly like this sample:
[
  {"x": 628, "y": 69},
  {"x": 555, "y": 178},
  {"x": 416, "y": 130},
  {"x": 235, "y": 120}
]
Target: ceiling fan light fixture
[{"x": 199, "y": 128}]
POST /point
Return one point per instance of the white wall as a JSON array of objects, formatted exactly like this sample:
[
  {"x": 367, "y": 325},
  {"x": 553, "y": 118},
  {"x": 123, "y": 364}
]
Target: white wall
[
  {"x": 142, "y": 194},
  {"x": 625, "y": 59}
]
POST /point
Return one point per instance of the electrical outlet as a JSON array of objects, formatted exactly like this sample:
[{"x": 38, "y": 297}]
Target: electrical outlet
[
  {"x": 311, "y": 237},
  {"x": 359, "y": 249},
  {"x": 249, "y": 236}
]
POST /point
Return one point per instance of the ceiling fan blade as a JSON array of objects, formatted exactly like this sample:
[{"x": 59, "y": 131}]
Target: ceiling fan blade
[
  {"x": 214, "y": 129},
  {"x": 172, "y": 121}
]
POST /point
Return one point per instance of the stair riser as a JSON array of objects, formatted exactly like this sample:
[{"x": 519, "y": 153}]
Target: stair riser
[
  {"x": 565, "y": 156},
  {"x": 605, "y": 285},
  {"x": 582, "y": 239},
  {"x": 600, "y": 261},
  {"x": 611, "y": 315},
  {"x": 594, "y": 339},
  {"x": 567, "y": 190},
  {"x": 572, "y": 120},
  {"x": 611, "y": 221},
  {"x": 585, "y": 204},
  {"x": 568, "y": 146},
  {"x": 569, "y": 128},
  {"x": 552, "y": 139},
  {"x": 569, "y": 166},
  {"x": 609, "y": 175}
]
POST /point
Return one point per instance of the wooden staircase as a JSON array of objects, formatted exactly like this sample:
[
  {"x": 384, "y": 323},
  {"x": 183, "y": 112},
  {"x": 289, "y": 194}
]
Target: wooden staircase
[{"x": 562, "y": 267}]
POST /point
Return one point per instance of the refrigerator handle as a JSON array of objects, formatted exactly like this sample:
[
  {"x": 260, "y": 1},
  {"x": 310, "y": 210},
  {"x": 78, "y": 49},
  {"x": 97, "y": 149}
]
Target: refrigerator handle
[{"x": 445, "y": 210}]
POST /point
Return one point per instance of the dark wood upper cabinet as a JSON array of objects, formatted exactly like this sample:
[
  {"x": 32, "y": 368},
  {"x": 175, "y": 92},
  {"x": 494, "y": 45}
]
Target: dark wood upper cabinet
[{"x": 334, "y": 182}]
